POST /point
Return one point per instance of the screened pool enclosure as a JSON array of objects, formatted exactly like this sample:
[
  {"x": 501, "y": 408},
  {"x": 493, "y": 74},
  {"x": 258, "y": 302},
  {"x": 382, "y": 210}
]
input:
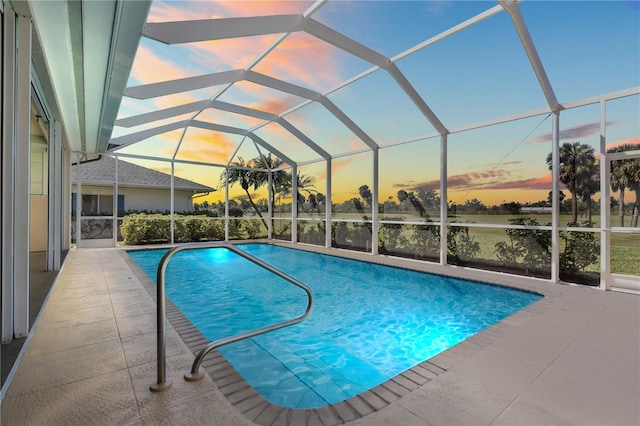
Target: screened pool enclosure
[{"x": 501, "y": 136}]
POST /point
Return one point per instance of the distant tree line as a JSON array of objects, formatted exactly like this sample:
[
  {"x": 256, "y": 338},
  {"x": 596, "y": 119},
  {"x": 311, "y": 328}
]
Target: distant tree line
[{"x": 579, "y": 171}]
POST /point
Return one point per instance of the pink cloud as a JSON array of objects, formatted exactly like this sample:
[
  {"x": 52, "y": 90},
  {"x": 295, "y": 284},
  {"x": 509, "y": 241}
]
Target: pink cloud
[
  {"x": 193, "y": 10},
  {"x": 147, "y": 65},
  {"x": 532, "y": 183},
  {"x": 575, "y": 132},
  {"x": 433, "y": 185},
  {"x": 297, "y": 58}
]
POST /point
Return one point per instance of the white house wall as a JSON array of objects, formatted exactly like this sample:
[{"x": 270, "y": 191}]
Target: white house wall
[
  {"x": 155, "y": 199},
  {"x": 148, "y": 199}
]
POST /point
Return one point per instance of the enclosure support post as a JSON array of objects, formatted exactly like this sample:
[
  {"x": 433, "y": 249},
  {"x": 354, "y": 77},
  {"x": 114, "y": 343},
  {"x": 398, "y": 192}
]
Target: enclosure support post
[
  {"x": 115, "y": 203},
  {"x": 172, "y": 200},
  {"x": 226, "y": 204},
  {"x": 56, "y": 197},
  {"x": 294, "y": 203},
  {"x": 327, "y": 207},
  {"x": 555, "y": 205},
  {"x": 444, "y": 203},
  {"x": 270, "y": 205},
  {"x": 78, "y": 208},
  {"x": 605, "y": 208},
  {"x": 374, "y": 203}
]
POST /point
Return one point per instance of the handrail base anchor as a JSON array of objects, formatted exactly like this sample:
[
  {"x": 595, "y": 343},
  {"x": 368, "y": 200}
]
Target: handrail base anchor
[
  {"x": 159, "y": 387},
  {"x": 193, "y": 377}
]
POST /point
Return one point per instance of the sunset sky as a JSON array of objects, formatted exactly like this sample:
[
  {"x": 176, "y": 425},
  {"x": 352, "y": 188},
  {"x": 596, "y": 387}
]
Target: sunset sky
[{"x": 588, "y": 48}]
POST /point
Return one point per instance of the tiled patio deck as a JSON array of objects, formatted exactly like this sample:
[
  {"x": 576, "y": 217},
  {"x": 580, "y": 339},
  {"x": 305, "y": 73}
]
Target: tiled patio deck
[{"x": 572, "y": 358}]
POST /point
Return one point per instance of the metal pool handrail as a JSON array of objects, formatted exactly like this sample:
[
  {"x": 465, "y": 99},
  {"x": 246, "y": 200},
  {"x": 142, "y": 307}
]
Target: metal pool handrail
[{"x": 163, "y": 383}]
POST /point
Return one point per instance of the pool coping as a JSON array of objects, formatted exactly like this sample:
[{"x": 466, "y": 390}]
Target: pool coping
[{"x": 257, "y": 409}]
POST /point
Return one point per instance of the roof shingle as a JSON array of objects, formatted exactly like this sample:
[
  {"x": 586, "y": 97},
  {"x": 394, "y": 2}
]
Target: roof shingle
[{"x": 131, "y": 175}]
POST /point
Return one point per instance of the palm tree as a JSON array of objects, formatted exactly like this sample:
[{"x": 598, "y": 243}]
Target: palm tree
[
  {"x": 304, "y": 184},
  {"x": 240, "y": 172},
  {"x": 280, "y": 179},
  {"x": 577, "y": 162},
  {"x": 590, "y": 187},
  {"x": 633, "y": 174},
  {"x": 366, "y": 195},
  {"x": 619, "y": 181},
  {"x": 625, "y": 174}
]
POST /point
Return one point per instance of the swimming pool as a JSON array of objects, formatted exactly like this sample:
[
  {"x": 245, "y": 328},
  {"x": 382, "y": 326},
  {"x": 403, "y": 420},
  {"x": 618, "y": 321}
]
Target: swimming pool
[{"x": 370, "y": 322}]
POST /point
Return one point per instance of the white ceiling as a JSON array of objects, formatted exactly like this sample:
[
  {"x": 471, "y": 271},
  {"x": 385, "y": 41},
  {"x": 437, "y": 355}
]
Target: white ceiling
[{"x": 82, "y": 57}]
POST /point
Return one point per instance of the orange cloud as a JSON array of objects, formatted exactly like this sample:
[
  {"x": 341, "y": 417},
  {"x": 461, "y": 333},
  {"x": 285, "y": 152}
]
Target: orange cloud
[
  {"x": 629, "y": 141},
  {"x": 306, "y": 59},
  {"x": 206, "y": 146}
]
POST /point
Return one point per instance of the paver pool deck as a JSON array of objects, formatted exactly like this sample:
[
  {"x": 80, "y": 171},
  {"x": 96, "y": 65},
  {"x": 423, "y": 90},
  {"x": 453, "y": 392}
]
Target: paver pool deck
[{"x": 571, "y": 358}]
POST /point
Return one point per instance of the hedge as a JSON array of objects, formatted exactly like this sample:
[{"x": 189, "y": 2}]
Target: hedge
[{"x": 156, "y": 228}]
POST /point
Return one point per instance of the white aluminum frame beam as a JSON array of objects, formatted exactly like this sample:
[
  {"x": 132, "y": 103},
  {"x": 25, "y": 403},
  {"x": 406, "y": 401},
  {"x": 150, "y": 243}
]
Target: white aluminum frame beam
[
  {"x": 281, "y": 85},
  {"x": 343, "y": 42},
  {"x": 168, "y": 87},
  {"x": 132, "y": 138},
  {"x": 178, "y": 32},
  {"x": 604, "y": 97},
  {"x": 451, "y": 31},
  {"x": 419, "y": 102},
  {"x": 163, "y": 88},
  {"x": 344, "y": 119},
  {"x": 162, "y": 114},
  {"x": 298, "y": 134},
  {"x": 241, "y": 110},
  {"x": 511, "y": 6}
]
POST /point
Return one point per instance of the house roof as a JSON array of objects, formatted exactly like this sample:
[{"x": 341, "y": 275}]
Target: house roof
[{"x": 130, "y": 175}]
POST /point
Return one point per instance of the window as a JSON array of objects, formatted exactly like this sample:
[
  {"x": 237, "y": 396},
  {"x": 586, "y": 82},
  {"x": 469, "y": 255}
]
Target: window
[{"x": 98, "y": 205}]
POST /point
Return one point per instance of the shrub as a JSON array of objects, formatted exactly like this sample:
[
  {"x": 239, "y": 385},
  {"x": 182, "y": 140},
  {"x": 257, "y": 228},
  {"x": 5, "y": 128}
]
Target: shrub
[
  {"x": 253, "y": 228},
  {"x": 529, "y": 247},
  {"x": 312, "y": 234},
  {"x": 425, "y": 240},
  {"x": 145, "y": 229},
  {"x": 156, "y": 228},
  {"x": 460, "y": 246},
  {"x": 580, "y": 249},
  {"x": 390, "y": 236},
  {"x": 532, "y": 247}
]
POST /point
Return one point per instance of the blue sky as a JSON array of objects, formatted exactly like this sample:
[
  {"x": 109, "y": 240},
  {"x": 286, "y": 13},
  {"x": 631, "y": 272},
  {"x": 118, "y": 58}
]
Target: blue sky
[{"x": 587, "y": 48}]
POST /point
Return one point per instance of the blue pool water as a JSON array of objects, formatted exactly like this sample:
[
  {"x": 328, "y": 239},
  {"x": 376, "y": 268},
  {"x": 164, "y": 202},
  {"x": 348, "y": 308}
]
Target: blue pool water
[{"x": 370, "y": 322}]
